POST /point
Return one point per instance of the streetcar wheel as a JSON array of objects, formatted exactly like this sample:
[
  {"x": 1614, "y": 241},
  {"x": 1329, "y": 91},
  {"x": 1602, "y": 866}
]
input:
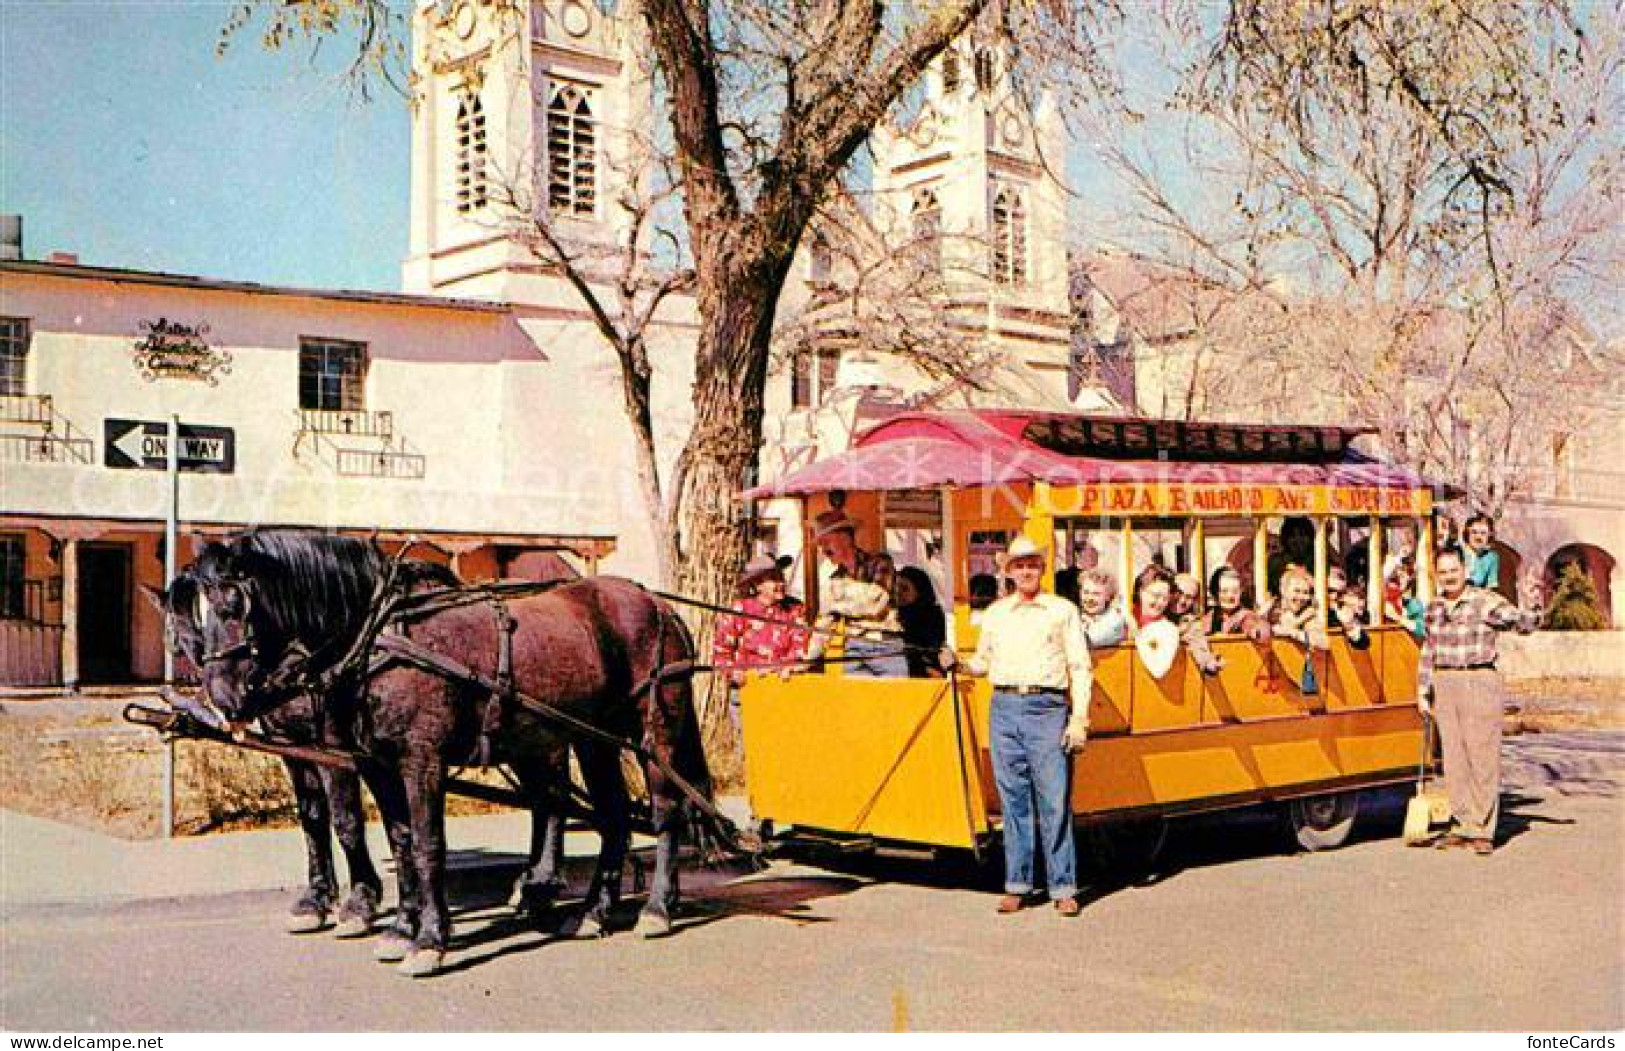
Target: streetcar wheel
[{"x": 1322, "y": 822}]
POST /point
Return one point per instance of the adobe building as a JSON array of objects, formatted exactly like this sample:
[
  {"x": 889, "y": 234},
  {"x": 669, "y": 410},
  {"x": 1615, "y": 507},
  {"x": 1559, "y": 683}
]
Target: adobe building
[{"x": 476, "y": 415}]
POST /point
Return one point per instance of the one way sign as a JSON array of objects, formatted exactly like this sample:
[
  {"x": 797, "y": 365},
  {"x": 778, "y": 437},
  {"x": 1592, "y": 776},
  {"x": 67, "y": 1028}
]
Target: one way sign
[{"x": 144, "y": 446}]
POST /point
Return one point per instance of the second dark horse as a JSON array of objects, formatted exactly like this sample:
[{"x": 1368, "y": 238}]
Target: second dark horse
[{"x": 590, "y": 651}]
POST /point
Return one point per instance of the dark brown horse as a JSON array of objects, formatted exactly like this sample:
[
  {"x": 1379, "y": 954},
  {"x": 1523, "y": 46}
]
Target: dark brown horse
[
  {"x": 328, "y": 800},
  {"x": 587, "y": 653}
]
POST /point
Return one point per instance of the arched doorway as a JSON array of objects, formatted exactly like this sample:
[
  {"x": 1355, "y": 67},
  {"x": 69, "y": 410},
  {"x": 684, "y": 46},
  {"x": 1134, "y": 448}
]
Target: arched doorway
[{"x": 1599, "y": 566}]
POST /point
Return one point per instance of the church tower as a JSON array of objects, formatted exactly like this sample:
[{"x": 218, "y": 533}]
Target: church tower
[
  {"x": 977, "y": 166},
  {"x": 520, "y": 109}
]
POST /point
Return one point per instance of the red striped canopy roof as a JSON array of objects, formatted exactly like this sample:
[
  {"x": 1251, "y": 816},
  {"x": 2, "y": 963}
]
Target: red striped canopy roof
[{"x": 961, "y": 449}]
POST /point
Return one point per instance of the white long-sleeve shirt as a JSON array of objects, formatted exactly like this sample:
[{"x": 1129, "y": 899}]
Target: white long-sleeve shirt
[{"x": 1035, "y": 642}]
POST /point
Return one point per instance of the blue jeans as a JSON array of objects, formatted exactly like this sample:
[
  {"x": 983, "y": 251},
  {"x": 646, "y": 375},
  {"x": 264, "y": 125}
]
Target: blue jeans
[
  {"x": 879, "y": 660},
  {"x": 1031, "y": 770}
]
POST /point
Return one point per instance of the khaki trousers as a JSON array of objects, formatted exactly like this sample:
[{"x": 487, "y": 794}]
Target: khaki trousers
[{"x": 1467, "y": 704}]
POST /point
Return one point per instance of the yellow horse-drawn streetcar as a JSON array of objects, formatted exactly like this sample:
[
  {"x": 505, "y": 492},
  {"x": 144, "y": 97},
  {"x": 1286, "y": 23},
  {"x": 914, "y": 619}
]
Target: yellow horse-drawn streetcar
[{"x": 906, "y": 760}]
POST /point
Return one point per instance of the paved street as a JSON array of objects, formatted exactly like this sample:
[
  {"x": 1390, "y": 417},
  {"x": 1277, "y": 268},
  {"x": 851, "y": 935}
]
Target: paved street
[{"x": 1234, "y": 934}]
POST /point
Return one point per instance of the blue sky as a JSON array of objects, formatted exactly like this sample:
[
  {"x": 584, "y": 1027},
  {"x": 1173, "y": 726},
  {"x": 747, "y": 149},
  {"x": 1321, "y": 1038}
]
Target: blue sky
[{"x": 123, "y": 138}]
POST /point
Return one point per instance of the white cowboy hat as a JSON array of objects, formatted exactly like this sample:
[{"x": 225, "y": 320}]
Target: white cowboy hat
[{"x": 1023, "y": 547}]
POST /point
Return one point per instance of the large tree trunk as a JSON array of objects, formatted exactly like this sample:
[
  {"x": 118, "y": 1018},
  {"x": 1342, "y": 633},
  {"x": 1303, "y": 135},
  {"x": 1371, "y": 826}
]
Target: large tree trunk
[{"x": 721, "y": 456}]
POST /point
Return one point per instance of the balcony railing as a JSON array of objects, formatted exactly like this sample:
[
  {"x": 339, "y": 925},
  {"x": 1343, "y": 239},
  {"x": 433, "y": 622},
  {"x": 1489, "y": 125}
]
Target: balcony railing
[
  {"x": 27, "y": 408},
  {"x": 46, "y": 448},
  {"x": 349, "y": 423},
  {"x": 28, "y": 602},
  {"x": 362, "y": 463}
]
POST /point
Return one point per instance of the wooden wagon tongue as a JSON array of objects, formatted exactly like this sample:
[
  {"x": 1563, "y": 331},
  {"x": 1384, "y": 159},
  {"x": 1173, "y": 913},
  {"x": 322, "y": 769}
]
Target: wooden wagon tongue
[{"x": 194, "y": 708}]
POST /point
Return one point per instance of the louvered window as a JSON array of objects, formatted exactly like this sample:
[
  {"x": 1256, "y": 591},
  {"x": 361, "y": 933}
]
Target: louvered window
[
  {"x": 927, "y": 223},
  {"x": 986, "y": 71},
  {"x": 471, "y": 182},
  {"x": 572, "y": 156},
  {"x": 1009, "y": 237}
]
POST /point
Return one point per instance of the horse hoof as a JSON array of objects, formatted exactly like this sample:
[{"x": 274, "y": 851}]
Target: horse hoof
[
  {"x": 353, "y": 927},
  {"x": 652, "y": 926},
  {"x": 392, "y": 948},
  {"x": 590, "y": 927},
  {"x": 305, "y": 922},
  {"x": 422, "y": 963},
  {"x": 533, "y": 902}
]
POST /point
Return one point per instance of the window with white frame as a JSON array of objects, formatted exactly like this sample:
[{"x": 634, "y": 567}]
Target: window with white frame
[
  {"x": 332, "y": 375},
  {"x": 1009, "y": 236},
  {"x": 987, "y": 71},
  {"x": 572, "y": 158},
  {"x": 926, "y": 219},
  {"x": 471, "y": 153},
  {"x": 13, "y": 355}
]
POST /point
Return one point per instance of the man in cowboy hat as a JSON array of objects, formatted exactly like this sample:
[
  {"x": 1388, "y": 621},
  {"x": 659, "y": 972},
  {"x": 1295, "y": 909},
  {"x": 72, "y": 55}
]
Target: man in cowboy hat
[
  {"x": 1033, "y": 648},
  {"x": 855, "y": 599}
]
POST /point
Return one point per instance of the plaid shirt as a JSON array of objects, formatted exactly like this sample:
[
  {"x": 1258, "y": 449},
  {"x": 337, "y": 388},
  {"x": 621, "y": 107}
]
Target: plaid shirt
[
  {"x": 861, "y": 601},
  {"x": 1461, "y": 634}
]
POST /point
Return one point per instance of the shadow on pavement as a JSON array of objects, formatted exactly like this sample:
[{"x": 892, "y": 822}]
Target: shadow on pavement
[{"x": 487, "y": 928}]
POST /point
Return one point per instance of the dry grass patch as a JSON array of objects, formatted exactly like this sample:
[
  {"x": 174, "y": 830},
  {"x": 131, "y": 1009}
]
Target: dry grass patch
[{"x": 1558, "y": 705}]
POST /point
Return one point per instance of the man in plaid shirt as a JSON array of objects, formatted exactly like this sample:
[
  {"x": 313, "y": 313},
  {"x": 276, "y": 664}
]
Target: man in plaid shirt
[{"x": 1458, "y": 667}]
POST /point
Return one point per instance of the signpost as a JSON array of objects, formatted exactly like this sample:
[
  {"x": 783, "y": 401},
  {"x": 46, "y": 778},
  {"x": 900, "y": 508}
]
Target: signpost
[
  {"x": 171, "y": 446},
  {"x": 172, "y": 531}
]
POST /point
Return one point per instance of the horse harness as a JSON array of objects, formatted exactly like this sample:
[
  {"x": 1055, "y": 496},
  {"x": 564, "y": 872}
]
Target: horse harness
[{"x": 386, "y": 641}]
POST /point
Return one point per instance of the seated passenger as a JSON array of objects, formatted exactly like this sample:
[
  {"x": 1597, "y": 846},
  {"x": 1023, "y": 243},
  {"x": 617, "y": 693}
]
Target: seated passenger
[
  {"x": 855, "y": 600},
  {"x": 1293, "y": 615},
  {"x": 1349, "y": 614},
  {"x": 1103, "y": 620},
  {"x": 1185, "y": 612},
  {"x": 1483, "y": 562},
  {"x": 1402, "y": 551},
  {"x": 1336, "y": 582},
  {"x": 1399, "y": 598},
  {"x": 1153, "y": 591},
  {"x": 1232, "y": 610},
  {"x": 1297, "y": 548},
  {"x": 772, "y": 630},
  {"x": 1156, "y": 637},
  {"x": 924, "y": 630}
]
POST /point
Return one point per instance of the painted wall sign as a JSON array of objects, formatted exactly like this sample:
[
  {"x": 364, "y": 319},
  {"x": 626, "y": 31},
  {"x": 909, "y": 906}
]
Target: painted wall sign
[{"x": 170, "y": 350}]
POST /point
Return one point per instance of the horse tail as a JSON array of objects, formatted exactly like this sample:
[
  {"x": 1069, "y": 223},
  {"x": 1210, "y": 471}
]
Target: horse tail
[{"x": 716, "y": 839}]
